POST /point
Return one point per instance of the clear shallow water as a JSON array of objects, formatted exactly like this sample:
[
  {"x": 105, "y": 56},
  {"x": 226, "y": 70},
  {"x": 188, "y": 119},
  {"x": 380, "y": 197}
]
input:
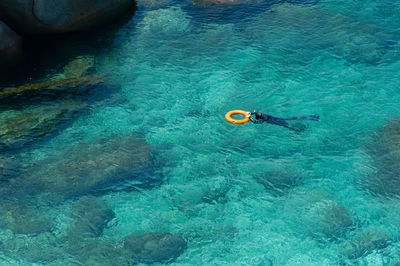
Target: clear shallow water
[{"x": 178, "y": 71}]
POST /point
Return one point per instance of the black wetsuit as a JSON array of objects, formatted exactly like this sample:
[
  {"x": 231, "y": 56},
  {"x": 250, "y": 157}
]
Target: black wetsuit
[{"x": 264, "y": 118}]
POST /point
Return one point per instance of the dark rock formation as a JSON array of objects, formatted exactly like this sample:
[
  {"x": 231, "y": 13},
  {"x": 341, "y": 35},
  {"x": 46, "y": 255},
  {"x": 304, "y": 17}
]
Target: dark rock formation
[
  {"x": 20, "y": 127},
  {"x": 155, "y": 247},
  {"x": 326, "y": 220},
  {"x": 336, "y": 222},
  {"x": 51, "y": 85},
  {"x": 384, "y": 149},
  {"x": 365, "y": 243},
  {"x": 57, "y": 16},
  {"x": 97, "y": 251},
  {"x": 90, "y": 167},
  {"x": 91, "y": 215},
  {"x": 10, "y": 44},
  {"x": 21, "y": 219}
]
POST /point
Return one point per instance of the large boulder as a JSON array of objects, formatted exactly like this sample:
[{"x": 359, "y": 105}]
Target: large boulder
[
  {"x": 10, "y": 43},
  {"x": 58, "y": 16}
]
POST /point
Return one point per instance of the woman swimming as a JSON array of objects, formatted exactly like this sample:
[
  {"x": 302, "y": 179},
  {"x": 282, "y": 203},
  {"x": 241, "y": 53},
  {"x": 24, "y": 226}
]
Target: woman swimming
[{"x": 264, "y": 118}]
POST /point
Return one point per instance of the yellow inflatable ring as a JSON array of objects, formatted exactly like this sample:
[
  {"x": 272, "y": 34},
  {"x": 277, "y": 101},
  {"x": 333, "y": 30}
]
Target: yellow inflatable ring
[{"x": 237, "y": 112}]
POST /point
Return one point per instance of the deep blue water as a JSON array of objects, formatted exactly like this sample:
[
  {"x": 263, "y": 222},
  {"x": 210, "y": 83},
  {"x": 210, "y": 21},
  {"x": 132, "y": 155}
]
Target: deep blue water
[{"x": 154, "y": 136}]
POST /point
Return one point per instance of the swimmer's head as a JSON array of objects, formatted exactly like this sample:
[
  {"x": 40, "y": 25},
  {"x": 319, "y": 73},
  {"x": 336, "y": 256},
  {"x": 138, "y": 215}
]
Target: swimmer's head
[{"x": 259, "y": 115}]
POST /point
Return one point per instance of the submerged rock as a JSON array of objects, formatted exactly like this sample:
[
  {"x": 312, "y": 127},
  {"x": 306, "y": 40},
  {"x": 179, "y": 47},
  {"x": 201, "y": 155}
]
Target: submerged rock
[
  {"x": 384, "y": 149},
  {"x": 78, "y": 67},
  {"x": 21, "y": 219},
  {"x": 91, "y": 215},
  {"x": 97, "y": 251},
  {"x": 10, "y": 44},
  {"x": 365, "y": 243},
  {"x": 20, "y": 127},
  {"x": 51, "y": 85},
  {"x": 90, "y": 167},
  {"x": 346, "y": 38},
  {"x": 324, "y": 219},
  {"x": 153, "y": 3},
  {"x": 221, "y": 1},
  {"x": 57, "y": 16},
  {"x": 155, "y": 247},
  {"x": 278, "y": 183},
  {"x": 336, "y": 221},
  {"x": 8, "y": 168}
]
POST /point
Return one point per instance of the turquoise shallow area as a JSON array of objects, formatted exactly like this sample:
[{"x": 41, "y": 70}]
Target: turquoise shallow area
[{"x": 179, "y": 74}]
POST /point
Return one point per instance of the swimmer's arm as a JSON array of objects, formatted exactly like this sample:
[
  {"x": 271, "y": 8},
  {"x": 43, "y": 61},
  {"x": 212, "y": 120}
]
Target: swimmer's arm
[{"x": 256, "y": 121}]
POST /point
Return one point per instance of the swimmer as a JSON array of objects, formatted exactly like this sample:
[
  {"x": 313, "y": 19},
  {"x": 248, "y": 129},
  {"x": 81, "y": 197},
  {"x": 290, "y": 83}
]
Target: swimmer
[{"x": 264, "y": 118}]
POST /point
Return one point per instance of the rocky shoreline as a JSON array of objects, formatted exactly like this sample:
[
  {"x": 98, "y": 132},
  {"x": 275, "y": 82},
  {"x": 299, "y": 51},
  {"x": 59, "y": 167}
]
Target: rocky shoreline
[{"x": 31, "y": 18}]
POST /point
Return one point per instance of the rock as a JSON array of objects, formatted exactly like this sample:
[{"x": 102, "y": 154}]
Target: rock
[
  {"x": 76, "y": 68},
  {"x": 90, "y": 167},
  {"x": 278, "y": 183},
  {"x": 219, "y": 1},
  {"x": 10, "y": 44},
  {"x": 21, "y": 127},
  {"x": 351, "y": 40},
  {"x": 365, "y": 243},
  {"x": 154, "y": 247},
  {"x": 97, "y": 251},
  {"x": 153, "y": 3},
  {"x": 327, "y": 220},
  {"x": 38, "y": 249},
  {"x": 21, "y": 219},
  {"x": 51, "y": 85},
  {"x": 91, "y": 216},
  {"x": 336, "y": 222},
  {"x": 58, "y": 16},
  {"x": 384, "y": 149},
  {"x": 8, "y": 168}
]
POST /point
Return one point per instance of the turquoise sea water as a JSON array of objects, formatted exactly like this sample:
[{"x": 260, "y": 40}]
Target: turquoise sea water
[{"x": 238, "y": 194}]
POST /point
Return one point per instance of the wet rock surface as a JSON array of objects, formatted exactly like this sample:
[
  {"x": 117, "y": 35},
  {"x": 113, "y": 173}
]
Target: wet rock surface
[
  {"x": 90, "y": 167},
  {"x": 154, "y": 247},
  {"x": 57, "y": 16}
]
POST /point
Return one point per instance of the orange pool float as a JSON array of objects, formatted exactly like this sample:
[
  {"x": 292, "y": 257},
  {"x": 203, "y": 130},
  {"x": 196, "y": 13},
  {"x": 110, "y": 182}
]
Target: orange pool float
[{"x": 237, "y": 112}]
